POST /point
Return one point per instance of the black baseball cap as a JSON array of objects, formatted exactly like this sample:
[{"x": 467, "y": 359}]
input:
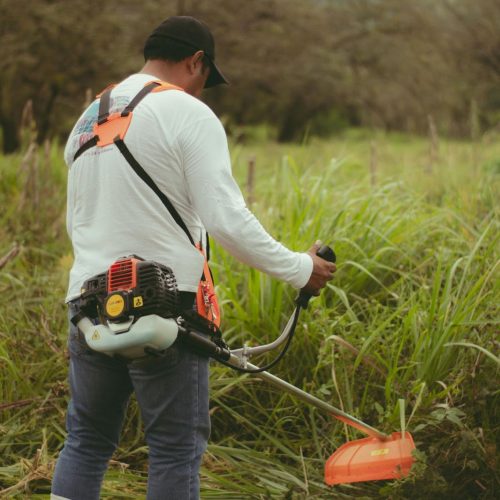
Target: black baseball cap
[{"x": 191, "y": 32}]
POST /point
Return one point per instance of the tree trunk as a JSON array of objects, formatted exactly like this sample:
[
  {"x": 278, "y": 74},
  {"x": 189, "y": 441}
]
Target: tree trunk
[
  {"x": 44, "y": 120},
  {"x": 291, "y": 124},
  {"x": 10, "y": 137}
]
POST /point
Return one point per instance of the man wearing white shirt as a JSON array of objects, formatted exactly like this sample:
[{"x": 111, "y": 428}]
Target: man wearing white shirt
[{"x": 111, "y": 213}]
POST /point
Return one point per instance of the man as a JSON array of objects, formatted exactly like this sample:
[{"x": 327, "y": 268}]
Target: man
[{"x": 112, "y": 213}]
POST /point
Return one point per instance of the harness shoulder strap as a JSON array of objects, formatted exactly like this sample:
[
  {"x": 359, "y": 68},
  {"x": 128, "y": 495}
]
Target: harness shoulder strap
[
  {"x": 136, "y": 166},
  {"x": 86, "y": 145},
  {"x": 139, "y": 97},
  {"x": 104, "y": 102},
  {"x": 112, "y": 128},
  {"x": 104, "y": 115}
]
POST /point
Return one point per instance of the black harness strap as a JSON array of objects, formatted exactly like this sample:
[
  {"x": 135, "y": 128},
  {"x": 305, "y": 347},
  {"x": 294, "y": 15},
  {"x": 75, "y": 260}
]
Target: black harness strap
[
  {"x": 136, "y": 166},
  {"x": 139, "y": 97},
  {"x": 86, "y": 145},
  {"x": 102, "y": 117},
  {"x": 104, "y": 105}
]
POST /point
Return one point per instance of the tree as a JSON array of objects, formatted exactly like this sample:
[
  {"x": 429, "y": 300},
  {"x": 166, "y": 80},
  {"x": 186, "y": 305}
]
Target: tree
[
  {"x": 382, "y": 63},
  {"x": 53, "y": 51}
]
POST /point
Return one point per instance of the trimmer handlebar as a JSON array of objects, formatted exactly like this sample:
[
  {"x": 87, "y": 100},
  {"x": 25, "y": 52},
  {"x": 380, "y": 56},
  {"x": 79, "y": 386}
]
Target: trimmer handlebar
[
  {"x": 243, "y": 353},
  {"x": 326, "y": 253}
]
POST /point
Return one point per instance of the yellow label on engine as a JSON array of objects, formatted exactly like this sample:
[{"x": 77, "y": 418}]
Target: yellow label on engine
[
  {"x": 382, "y": 451},
  {"x": 138, "y": 302},
  {"x": 115, "y": 305},
  {"x": 96, "y": 336}
]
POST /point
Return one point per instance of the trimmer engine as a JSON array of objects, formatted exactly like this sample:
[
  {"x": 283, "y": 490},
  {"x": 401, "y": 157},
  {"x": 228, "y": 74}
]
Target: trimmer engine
[
  {"x": 131, "y": 287},
  {"x": 130, "y": 310}
]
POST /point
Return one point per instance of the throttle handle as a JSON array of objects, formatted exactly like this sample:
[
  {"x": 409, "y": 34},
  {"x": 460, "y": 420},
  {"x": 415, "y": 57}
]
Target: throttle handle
[{"x": 326, "y": 253}]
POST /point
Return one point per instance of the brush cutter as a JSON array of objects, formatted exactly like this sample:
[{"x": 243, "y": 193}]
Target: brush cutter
[{"x": 139, "y": 317}]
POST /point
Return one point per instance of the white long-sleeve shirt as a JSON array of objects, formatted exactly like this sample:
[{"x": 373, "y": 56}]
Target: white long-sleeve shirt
[{"x": 182, "y": 145}]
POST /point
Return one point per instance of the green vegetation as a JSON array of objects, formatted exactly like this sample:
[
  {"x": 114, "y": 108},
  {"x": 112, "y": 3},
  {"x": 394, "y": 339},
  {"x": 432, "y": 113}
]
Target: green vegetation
[{"x": 412, "y": 314}]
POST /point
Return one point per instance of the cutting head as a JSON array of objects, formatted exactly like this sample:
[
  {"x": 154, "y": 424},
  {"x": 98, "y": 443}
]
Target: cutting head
[{"x": 371, "y": 459}]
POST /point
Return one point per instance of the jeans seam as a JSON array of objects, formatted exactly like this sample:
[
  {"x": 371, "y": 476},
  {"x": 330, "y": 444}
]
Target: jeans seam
[{"x": 196, "y": 422}]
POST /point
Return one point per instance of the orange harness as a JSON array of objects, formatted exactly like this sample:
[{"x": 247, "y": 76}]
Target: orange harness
[{"x": 111, "y": 129}]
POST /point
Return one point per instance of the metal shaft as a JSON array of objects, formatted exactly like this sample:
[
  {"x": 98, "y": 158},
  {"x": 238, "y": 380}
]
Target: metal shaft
[{"x": 318, "y": 403}]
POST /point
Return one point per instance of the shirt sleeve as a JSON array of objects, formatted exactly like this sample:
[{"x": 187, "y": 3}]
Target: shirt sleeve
[{"x": 220, "y": 205}]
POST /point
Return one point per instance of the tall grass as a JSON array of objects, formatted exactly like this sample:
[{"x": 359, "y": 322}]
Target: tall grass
[{"x": 411, "y": 314}]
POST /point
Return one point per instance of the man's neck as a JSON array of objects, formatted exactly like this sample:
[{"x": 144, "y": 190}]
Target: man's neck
[{"x": 165, "y": 71}]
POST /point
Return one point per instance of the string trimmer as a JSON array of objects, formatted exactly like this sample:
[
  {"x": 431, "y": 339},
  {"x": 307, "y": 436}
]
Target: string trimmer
[{"x": 136, "y": 314}]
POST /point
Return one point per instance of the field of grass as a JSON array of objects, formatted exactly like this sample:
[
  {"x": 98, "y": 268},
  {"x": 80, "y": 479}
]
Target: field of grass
[{"x": 413, "y": 314}]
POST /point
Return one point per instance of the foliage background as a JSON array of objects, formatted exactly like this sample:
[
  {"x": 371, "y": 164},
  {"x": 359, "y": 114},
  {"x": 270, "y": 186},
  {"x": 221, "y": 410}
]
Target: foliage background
[
  {"x": 298, "y": 65},
  {"x": 413, "y": 312}
]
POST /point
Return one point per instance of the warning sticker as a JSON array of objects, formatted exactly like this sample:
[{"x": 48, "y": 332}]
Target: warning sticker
[
  {"x": 138, "y": 302},
  {"x": 381, "y": 451}
]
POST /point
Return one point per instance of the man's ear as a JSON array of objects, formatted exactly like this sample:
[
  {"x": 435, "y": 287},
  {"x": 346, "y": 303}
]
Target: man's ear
[{"x": 195, "y": 60}]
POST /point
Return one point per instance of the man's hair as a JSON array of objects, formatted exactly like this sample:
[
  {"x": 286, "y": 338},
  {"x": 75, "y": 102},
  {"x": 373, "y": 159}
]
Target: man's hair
[{"x": 172, "y": 51}]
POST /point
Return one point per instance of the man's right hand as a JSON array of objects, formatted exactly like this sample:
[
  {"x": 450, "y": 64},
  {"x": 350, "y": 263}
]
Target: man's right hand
[{"x": 322, "y": 271}]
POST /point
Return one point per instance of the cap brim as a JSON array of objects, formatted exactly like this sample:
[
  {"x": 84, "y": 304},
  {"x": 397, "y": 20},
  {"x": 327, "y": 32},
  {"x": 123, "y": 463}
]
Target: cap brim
[{"x": 215, "y": 77}]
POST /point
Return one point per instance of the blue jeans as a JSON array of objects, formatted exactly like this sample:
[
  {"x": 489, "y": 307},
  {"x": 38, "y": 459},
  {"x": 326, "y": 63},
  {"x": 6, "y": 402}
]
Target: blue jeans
[{"x": 172, "y": 393}]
